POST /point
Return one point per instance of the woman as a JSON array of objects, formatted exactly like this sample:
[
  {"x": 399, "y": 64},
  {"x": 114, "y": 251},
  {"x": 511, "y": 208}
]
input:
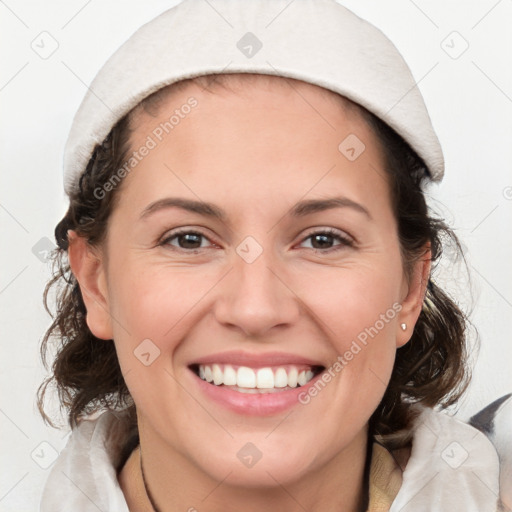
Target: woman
[{"x": 249, "y": 290}]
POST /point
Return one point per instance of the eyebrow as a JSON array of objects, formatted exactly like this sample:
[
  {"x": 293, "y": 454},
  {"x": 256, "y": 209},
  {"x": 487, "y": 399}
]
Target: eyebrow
[
  {"x": 318, "y": 205},
  {"x": 200, "y": 207},
  {"x": 301, "y": 209}
]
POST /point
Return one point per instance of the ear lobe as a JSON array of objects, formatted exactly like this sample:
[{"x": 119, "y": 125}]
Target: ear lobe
[
  {"x": 413, "y": 301},
  {"x": 88, "y": 268}
]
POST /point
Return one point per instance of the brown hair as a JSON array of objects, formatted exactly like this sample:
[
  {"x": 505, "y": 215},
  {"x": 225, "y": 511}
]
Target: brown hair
[{"x": 430, "y": 369}]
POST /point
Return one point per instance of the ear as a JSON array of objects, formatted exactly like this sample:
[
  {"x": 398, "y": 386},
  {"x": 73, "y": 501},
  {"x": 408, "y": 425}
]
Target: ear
[
  {"x": 88, "y": 266},
  {"x": 414, "y": 291}
]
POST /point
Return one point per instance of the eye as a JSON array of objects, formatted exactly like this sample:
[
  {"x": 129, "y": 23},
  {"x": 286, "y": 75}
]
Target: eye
[
  {"x": 324, "y": 240},
  {"x": 185, "y": 239},
  {"x": 328, "y": 239}
]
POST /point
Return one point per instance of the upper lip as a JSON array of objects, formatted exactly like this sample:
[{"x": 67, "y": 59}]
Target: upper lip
[{"x": 255, "y": 360}]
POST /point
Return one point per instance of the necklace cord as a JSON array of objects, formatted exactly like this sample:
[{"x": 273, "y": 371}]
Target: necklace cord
[{"x": 146, "y": 489}]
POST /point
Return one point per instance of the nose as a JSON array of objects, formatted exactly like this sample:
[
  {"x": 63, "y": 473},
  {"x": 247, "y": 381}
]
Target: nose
[{"x": 256, "y": 298}]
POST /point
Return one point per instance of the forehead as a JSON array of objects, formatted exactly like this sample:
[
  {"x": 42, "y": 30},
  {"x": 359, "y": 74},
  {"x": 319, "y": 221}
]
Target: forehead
[{"x": 278, "y": 136}]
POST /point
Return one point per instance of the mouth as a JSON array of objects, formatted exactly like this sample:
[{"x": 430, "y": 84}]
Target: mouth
[
  {"x": 262, "y": 380},
  {"x": 255, "y": 384}
]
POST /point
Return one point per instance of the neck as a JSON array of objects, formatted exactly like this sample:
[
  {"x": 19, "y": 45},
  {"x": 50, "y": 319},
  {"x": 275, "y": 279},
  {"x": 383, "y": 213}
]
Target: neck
[{"x": 176, "y": 483}]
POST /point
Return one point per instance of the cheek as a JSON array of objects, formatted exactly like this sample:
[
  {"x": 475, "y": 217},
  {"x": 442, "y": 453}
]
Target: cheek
[
  {"x": 153, "y": 308},
  {"x": 146, "y": 313},
  {"x": 358, "y": 313},
  {"x": 350, "y": 302},
  {"x": 150, "y": 300}
]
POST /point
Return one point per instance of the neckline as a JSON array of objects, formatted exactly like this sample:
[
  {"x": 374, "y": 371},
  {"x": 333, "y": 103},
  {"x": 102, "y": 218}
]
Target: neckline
[{"x": 382, "y": 479}]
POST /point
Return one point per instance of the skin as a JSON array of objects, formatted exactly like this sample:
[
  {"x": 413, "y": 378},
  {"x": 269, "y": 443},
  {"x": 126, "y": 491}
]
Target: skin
[{"x": 278, "y": 145}]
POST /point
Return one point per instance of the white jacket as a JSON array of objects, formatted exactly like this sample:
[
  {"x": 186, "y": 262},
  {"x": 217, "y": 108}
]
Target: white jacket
[{"x": 453, "y": 467}]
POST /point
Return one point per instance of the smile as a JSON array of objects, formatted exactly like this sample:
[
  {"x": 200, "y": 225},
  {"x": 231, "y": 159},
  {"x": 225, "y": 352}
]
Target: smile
[
  {"x": 257, "y": 380},
  {"x": 254, "y": 384}
]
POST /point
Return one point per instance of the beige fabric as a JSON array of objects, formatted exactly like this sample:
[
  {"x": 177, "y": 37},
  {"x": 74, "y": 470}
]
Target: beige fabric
[{"x": 385, "y": 479}]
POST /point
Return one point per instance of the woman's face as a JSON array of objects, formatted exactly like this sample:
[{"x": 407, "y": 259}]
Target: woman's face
[{"x": 256, "y": 241}]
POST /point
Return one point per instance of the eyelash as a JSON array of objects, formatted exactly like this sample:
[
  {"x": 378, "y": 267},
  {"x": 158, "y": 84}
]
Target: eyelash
[{"x": 344, "y": 240}]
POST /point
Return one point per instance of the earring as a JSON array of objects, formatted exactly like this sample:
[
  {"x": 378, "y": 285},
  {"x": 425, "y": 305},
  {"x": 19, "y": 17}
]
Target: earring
[{"x": 403, "y": 326}]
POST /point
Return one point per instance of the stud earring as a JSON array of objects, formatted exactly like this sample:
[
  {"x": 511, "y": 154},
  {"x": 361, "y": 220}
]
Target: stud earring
[{"x": 403, "y": 326}]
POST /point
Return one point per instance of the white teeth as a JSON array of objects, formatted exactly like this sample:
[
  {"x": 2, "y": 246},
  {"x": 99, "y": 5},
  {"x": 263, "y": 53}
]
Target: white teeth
[
  {"x": 304, "y": 377},
  {"x": 208, "y": 377},
  {"x": 301, "y": 379},
  {"x": 280, "y": 378},
  {"x": 292, "y": 377},
  {"x": 244, "y": 378},
  {"x": 218, "y": 376},
  {"x": 265, "y": 378},
  {"x": 229, "y": 376}
]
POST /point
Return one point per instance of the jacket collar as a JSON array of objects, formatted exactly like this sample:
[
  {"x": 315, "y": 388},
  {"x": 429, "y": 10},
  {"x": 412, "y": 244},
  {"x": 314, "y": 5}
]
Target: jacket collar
[{"x": 452, "y": 466}]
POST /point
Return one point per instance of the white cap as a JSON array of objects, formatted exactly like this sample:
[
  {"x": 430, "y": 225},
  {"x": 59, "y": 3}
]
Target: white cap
[{"x": 316, "y": 41}]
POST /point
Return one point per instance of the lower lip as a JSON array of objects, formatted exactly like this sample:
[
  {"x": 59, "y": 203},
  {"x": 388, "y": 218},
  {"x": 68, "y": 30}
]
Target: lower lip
[{"x": 253, "y": 404}]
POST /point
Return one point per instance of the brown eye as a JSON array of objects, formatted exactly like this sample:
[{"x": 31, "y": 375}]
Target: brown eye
[
  {"x": 328, "y": 239},
  {"x": 322, "y": 241},
  {"x": 186, "y": 240}
]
